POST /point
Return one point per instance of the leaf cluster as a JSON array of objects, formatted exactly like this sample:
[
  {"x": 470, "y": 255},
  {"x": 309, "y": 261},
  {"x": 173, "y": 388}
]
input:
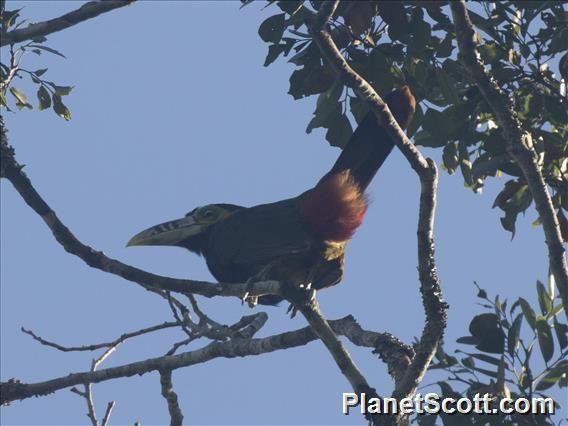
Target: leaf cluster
[
  {"x": 500, "y": 359},
  {"x": 49, "y": 94}
]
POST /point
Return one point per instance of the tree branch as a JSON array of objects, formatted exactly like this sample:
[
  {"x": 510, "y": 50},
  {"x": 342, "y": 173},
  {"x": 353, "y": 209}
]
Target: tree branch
[
  {"x": 108, "y": 412},
  {"x": 310, "y": 309},
  {"x": 434, "y": 306},
  {"x": 94, "y": 347},
  {"x": 430, "y": 288},
  {"x": 41, "y": 29},
  {"x": 518, "y": 143},
  {"x": 176, "y": 416},
  {"x": 14, "y": 390}
]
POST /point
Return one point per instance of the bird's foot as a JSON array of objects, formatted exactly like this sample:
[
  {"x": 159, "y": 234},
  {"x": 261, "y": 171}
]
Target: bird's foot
[
  {"x": 252, "y": 301},
  {"x": 302, "y": 295}
]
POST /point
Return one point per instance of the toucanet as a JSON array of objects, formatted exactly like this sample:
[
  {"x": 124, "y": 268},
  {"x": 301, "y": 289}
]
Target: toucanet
[{"x": 299, "y": 240}]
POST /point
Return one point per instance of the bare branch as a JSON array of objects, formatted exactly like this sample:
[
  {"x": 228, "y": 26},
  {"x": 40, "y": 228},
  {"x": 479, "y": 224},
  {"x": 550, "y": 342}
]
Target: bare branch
[
  {"x": 13, "y": 389},
  {"x": 108, "y": 412},
  {"x": 94, "y": 347},
  {"x": 310, "y": 309},
  {"x": 91, "y": 413},
  {"x": 87, "y": 11},
  {"x": 12, "y": 171},
  {"x": 176, "y": 416},
  {"x": 434, "y": 306},
  {"x": 518, "y": 143},
  {"x": 391, "y": 350}
]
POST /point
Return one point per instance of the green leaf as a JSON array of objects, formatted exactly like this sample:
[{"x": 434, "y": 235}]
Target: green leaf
[
  {"x": 339, "y": 132},
  {"x": 485, "y": 358},
  {"x": 468, "y": 340},
  {"x": 561, "y": 331},
  {"x": 482, "y": 294},
  {"x": 290, "y": 6},
  {"x": 486, "y": 329},
  {"x": 424, "y": 138},
  {"x": 21, "y": 100},
  {"x": 297, "y": 83},
  {"x": 490, "y": 52},
  {"x": 18, "y": 95},
  {"x": 3, "y": 100},
  {"x": 484, "y": 24},
  {"x": 40, "y": 72},
  {"x": 553, "y": 376},
  {"x": 358, "y": 108},
  {"x": 554, "y": 311},
  {"x": 543, "y": 298},
  {"x": 545, "y": 340},
  {"x": 486, "y": 165},
  {"x": 451, "y": 162},
  {"x": 327, "y": 109},
  {"x": 556, "y": 109},
  {"x": 43, "y": 98},
  {"x": 468, "y": 362},
  {"x": 514, "y": 333},
  {"x": 272, "y": 28},
  {"x": 445, "y": 48},
  {"x": 307, "y": 53},
  {"x": 9, "y": 18},
  {"x": 528, "y": 312},
  {"x": 47, "y": 49},
  {"x": 447, "y": 86},
  {"x": 532, "y": 106},
  {"x": 60, "y": 109},
  {"x": 274, "y": 51},
  {"x": 513, "y": 307},
  {"x": 446, "y": 389},
  {"x": 433, "y": 123},
  {"x": 62, "y": 90}
]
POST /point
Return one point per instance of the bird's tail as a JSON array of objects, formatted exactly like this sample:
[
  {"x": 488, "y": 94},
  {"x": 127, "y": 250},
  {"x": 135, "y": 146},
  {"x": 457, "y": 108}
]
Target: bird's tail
[
  {"x": 334, "y": 209},
  {"x": 370, "y": 144}
]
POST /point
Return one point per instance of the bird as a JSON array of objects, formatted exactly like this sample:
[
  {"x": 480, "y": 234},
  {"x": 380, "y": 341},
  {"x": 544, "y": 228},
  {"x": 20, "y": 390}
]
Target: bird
[{"x": 299, "y": 240}]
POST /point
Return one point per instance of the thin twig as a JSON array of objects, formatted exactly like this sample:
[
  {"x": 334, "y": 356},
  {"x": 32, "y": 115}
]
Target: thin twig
[
  {"x": 108, "y": 412},
  {"x": 96, "y": 346}
]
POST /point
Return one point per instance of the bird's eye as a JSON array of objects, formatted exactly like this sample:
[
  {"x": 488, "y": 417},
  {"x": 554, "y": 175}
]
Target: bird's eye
[{"x": 208, "y": 214}]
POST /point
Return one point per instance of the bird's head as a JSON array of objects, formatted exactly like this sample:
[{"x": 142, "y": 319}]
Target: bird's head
[{"x": 190, "y": 231}]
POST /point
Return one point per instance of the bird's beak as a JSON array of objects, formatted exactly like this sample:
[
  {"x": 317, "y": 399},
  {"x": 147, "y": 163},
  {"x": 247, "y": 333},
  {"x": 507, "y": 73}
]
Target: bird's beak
[{"x": 167, "y": 233}]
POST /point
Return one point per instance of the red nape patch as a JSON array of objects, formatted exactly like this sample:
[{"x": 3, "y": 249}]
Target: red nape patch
[{"x": 334, "y": 209}]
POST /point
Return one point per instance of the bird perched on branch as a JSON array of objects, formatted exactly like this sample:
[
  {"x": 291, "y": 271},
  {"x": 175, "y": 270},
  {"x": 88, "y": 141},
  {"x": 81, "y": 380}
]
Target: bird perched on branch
[{"x": 300, "y": 240}]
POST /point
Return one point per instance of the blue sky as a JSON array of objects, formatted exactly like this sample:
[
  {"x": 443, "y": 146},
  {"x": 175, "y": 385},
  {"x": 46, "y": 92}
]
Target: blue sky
[{"x": 173, "y": 109}]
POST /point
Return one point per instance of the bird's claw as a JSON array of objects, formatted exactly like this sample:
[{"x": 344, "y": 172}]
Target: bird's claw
[
  {"x": 306, "y": 297},
  {"x": 252, "y": 301}
]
